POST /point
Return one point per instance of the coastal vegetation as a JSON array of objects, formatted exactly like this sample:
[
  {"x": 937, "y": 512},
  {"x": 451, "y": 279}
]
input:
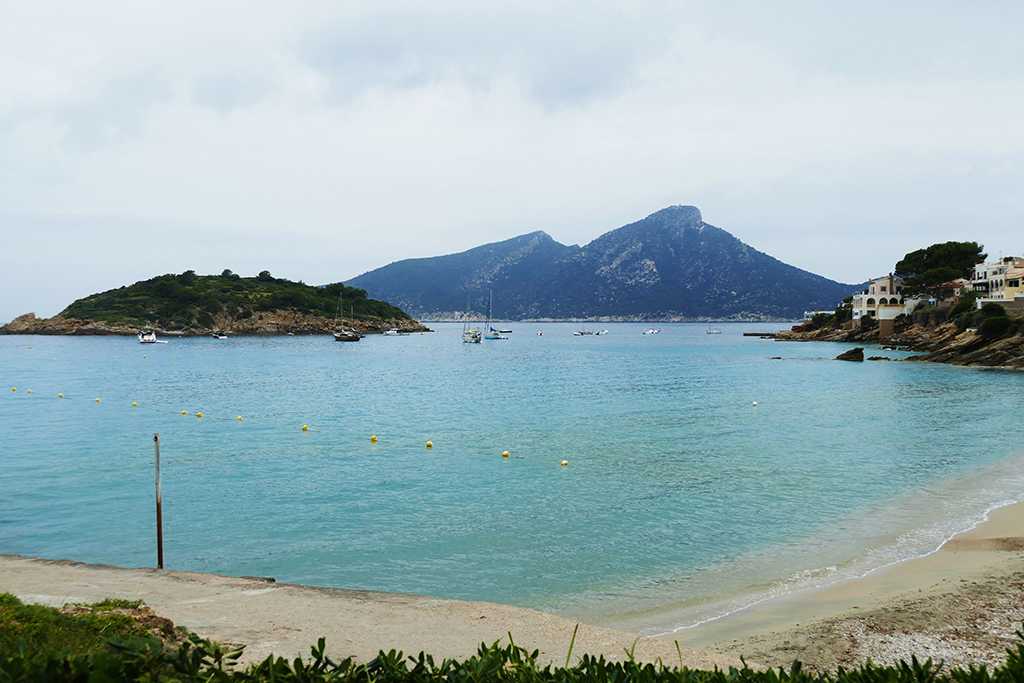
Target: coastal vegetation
[
  {"x": 186, "y": 300},
  {"x": 924, "y": 270},
  {"x": 197, "y": 304},
  {"x": 35, "y": 649}
]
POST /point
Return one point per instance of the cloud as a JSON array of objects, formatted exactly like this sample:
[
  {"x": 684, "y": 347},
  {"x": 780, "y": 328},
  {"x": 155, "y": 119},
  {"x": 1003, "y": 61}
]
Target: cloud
[{"x": 381, "y": 131}]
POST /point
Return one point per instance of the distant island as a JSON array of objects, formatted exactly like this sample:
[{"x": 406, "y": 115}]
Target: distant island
[
  {"x": 228, "y": 303},
  {"x": 670, "y": 266}
]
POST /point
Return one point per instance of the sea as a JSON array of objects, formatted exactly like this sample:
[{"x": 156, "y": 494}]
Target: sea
[{"x": 655, "y": 481}]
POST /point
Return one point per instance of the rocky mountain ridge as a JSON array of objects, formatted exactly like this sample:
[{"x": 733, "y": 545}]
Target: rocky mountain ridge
[{"x": 670, "y": 266}]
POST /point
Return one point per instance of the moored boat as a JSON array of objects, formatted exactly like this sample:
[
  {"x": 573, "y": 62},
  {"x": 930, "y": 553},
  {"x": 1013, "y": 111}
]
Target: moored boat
[
  {"x": 148, "y": 336},
  {"x": 470, "y": 336},
  {"x": 343, "y": 334}
]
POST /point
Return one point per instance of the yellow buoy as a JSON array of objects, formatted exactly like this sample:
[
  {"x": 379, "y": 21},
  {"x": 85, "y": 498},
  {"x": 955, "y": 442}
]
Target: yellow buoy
[
  {"x": 184, "y": 412},
  {"x": 14, "y": 388},
  {"x": 60, "y": 395},
  {"x": 29, "y": 391},
  {"x": 430, "y": 444},
  {"x": 143, "y": 355},
  {"x": 97, "y": 400},
  {"x": 564, "y": 463},
  {"x": 199, "y": 414},
  {"x": 305, "y": 428},
  {"x": 239, "y": 417},
  {"x": 134, "y": 404},
  {"x": 373, "y": 439},
  {"x": 504, "y": 454}
]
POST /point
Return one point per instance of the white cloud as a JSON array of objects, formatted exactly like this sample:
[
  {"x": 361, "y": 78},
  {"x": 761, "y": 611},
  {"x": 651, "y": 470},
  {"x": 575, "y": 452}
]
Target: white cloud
[{"x": 325, "y": 140}]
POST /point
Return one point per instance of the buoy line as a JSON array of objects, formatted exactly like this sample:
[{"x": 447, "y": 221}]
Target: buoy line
[{"x": 304, "y": 428}]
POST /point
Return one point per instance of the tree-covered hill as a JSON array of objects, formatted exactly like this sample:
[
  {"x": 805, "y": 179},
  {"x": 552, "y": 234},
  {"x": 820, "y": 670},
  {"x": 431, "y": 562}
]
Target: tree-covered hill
[{"x": 227, "y": 302}]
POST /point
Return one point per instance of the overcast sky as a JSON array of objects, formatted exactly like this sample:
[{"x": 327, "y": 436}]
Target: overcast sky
[{"x": 320, "y": 140}]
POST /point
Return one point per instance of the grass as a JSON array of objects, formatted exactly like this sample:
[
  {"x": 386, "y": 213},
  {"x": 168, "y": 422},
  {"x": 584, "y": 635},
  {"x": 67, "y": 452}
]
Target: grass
[{"x": 86, "y": 630}]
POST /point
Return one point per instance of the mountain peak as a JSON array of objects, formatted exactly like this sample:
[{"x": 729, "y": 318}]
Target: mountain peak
[{"x": 680, "y": 213}]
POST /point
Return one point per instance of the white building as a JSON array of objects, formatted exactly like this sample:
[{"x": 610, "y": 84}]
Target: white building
[
  {"x": 882, "y": 299},
  {"x": 1000, "y": 282}
]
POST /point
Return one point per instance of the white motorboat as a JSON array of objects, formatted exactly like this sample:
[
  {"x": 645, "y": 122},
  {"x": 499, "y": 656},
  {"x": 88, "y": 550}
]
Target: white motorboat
[{"x": 148, "y": 336}]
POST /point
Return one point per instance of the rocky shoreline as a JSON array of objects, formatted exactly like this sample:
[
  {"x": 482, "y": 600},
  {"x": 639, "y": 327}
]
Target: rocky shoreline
[
  {"x": 260, "y": 323},
  {"x": 944, "y": 343}
]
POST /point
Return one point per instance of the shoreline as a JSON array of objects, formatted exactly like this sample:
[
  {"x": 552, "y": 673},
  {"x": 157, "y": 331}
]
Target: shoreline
[
  {"x": 961, "y": 603},
  {"x": 287, "y": 619}
]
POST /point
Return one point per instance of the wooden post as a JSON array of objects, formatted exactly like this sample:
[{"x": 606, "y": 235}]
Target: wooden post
[{"x": 159, "y": 508}]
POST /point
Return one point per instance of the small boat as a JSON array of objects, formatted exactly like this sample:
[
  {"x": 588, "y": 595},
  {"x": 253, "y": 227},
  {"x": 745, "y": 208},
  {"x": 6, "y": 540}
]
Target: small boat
[
  {"x": 393, "y": 332},
  {"x": 540, "y": 333},
  {"x": 148, "y": 336},
  {"x": 712, "y": 330},
  {"x": 470, "y": 336},
  {"x": 602, "y": 332},
  {"x": 219, "y": 335},
  {"x": 582, "y": 332},
  {"x": 653, "y": 331},
  {"x": 505, "y": 331},
  {"x": 343, "y": 334}
]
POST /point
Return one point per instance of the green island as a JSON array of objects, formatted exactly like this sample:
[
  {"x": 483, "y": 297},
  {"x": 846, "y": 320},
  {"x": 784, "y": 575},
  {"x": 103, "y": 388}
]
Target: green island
[
  {"x": 202, "y": 304},
  {"x": 120, "y": 640}
]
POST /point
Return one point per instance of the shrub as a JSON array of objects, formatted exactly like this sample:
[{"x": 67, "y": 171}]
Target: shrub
[
  {"x": 996, "y": 326},
  {"x": 993, "y": 310}
]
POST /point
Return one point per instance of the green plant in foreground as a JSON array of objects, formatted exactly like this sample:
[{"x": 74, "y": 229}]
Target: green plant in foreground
[{"x": 203, "y": 661}]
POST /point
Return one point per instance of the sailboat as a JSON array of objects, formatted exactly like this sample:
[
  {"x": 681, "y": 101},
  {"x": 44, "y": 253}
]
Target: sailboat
[
  {"x": 343, "y": 334},
  {"x": 470, "y": 336},
  {"x": 490, "y": 332},
  {"x": 713, "y": 330}
]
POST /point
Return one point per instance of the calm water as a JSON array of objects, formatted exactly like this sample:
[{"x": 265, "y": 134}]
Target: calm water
[{"x": 681, "y": 500}]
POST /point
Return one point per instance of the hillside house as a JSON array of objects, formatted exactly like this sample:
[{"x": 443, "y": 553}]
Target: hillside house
[
  {"x": 1000, "y": 282},
  {"x": 883, "y": 301}
]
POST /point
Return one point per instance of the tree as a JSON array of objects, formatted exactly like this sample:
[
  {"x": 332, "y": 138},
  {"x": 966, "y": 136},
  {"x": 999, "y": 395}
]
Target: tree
[
  {"x": 925, "y": 269},
  {"x": 265, "y": 276}
]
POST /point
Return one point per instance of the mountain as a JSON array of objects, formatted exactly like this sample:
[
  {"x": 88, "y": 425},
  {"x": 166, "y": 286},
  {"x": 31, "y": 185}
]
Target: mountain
[{"x": 669, "y": 266}]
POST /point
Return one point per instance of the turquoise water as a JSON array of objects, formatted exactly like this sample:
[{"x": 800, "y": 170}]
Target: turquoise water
[{"x": 682, "y": 500}]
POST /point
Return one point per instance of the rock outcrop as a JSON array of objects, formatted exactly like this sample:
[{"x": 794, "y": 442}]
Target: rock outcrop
[
  {"x": 855, "y": 354},
  {"x": 945, "y": 343},
  {"x": 275, "y": 322}
]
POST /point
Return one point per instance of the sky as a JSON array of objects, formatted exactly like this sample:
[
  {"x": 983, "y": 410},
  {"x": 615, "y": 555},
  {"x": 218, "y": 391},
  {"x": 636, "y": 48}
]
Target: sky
[{"x": 321, "y": 140}]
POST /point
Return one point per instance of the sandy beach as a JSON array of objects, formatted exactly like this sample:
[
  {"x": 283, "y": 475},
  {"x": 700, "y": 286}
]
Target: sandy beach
[
  {"x": 961, "y": 604},
  {"x": 284, "y": 619}
]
